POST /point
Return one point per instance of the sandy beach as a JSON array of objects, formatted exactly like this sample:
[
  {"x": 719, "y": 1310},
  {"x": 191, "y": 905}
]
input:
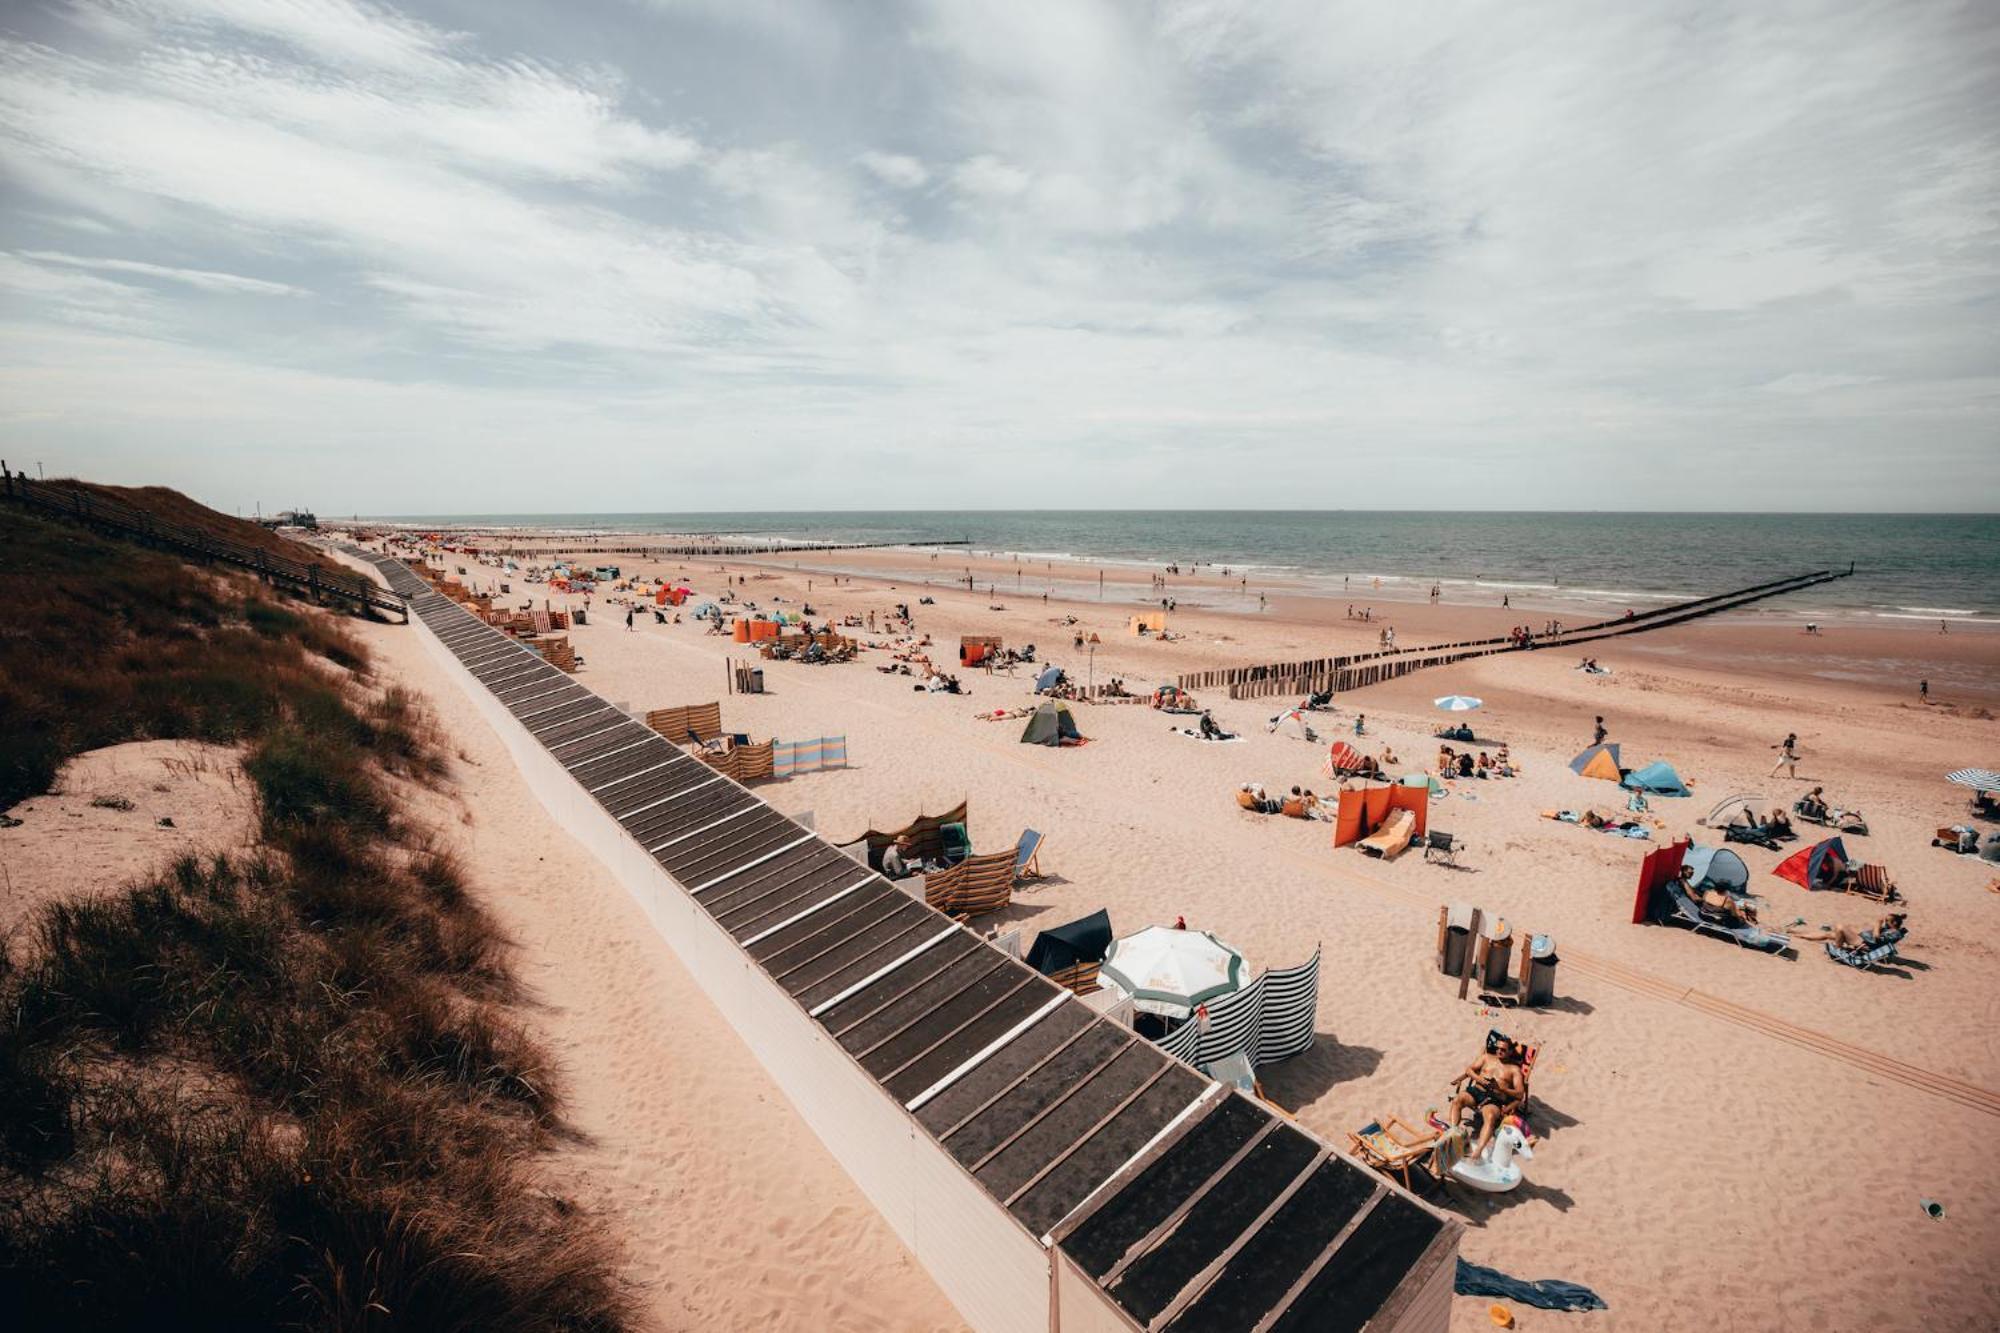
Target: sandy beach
[{"x": 1695, "y": 1100}]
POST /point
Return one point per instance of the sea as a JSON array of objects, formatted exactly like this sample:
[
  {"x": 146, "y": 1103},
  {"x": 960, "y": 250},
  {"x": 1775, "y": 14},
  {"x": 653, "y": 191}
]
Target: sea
[{"x": 1907, "y": 566}]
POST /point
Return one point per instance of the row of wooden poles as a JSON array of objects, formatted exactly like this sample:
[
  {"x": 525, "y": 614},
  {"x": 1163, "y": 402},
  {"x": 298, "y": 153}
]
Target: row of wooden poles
[{"x": 1360, "y": 670}]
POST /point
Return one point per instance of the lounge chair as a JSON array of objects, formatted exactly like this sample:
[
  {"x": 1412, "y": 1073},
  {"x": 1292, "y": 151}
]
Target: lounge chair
[
  {"x": 1846, "y": 821},
  {"x": 1881, "y": 951},
  {"x": 1394, "y": 1147},
  {"x": 1688, "y": 913},
  {"x": 1874, "y": 882},
  {"x": 1027, "y": 855},
  {"x": 1441, "y": 847},
  {"x": 1392, "y": 837}
]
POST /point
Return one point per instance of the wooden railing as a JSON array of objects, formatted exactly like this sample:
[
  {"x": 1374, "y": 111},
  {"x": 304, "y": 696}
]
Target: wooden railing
[{"x": 110, "y": 515}]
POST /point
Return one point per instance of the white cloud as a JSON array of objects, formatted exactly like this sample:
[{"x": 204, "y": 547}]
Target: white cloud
[
  {"x": 193, "y": 277},
  {"x": 897, "y": 169}
]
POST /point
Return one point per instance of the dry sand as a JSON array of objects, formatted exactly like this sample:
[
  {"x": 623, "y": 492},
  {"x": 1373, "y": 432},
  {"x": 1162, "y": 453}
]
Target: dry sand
[{"x": 1723, "y": 1144}]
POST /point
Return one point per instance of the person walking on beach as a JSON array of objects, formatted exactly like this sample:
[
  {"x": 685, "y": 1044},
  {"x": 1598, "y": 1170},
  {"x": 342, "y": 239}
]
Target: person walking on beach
[
  {"x": 1923, "y": 691},
  {"x": 628, "y": 620},
  {"x": 1597, "y": 737},
  {"x": 1788, "y": 756}
]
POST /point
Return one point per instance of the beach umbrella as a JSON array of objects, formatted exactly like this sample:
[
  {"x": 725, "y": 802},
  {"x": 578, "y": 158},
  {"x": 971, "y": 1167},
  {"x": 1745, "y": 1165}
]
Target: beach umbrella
[
  {"x": 1168, "y": 972},
  {"x": 1979, "y": 779},
  {"x": 1458, "y": 703}
]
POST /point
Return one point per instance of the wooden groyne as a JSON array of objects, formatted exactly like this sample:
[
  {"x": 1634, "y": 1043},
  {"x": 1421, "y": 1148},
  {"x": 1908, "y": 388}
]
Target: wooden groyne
[{"x": 1360, "y": 670}]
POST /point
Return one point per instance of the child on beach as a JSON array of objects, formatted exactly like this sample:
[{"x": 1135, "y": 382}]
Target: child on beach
[{"x": 1788, "y": 757}]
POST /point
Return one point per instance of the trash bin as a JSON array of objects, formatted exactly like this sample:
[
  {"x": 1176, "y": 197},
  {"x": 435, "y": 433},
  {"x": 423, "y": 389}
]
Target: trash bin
[
  {"x": 1499, "y": 953},
  {"x": 753, "y": 680},
  {"x": 1454, "y": 938},
  {"x": 1541, "y": 970}
]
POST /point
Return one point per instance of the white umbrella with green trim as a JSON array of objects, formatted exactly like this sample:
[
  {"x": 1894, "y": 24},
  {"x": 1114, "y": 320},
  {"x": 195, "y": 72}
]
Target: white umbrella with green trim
[{"x": 1168, "y": 972}]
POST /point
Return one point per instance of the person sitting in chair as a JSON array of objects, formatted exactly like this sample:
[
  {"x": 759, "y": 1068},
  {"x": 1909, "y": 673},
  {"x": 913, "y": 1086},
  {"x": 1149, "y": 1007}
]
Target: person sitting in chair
[
  {"x": 1813, "y": 804},
  {"x": 1492, "y": 1088},
  {"x": 1715, "y": 903},
  {"x": 898, "y": 861}
]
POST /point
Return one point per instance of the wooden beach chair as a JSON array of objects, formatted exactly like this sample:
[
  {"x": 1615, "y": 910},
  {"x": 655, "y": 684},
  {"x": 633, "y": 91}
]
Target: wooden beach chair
[
  {"x": 1027, "y": 855},
  {"x": 1872, "y": 881},
  {"x": 1394, "y": 1147}
]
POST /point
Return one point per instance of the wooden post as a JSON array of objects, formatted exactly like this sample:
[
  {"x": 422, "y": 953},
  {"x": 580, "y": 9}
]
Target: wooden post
[{"x": 1471, "y": 952}]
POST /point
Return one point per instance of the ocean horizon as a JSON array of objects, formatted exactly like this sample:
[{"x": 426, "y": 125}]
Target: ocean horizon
[{"x": 1907, "y": 566}]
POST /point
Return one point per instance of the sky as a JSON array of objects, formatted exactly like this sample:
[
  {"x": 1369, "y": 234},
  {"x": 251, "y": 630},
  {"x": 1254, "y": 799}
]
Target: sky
[{"x": 471, "y": 256}]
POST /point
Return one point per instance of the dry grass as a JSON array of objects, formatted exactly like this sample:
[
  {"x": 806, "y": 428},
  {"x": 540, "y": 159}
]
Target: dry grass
[{"x": 285, "y": 1090}]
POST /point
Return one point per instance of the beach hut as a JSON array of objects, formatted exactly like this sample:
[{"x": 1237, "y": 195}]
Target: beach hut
[
  {"x": 1051, "y": 724},
  {"x": 1599, "y": 761},
  {"x": 1655, "y": 779},
  {"x": 1816, "y": 867}
]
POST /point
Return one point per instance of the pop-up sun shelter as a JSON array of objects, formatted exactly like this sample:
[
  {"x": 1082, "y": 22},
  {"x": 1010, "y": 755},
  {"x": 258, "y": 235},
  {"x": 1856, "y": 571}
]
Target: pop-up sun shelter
[
  {"x": 1599, "y": 761},
  {"x": 1717, "y": 868},
  {"x": 1051, "y": 677},
  {"x": 1815, "y": 867},
  {"x": 1051, "y": 724},
  {"x": 1656, "y": 779}
]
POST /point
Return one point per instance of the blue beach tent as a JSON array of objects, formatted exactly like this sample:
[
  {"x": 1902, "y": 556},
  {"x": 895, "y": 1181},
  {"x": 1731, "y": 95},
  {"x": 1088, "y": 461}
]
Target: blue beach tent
[{"x": 1656, "y": 779}]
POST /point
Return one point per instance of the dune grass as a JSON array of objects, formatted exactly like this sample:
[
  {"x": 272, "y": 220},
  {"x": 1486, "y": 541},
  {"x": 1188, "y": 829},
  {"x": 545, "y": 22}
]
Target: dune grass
[{"x": 282, "y": 1089}]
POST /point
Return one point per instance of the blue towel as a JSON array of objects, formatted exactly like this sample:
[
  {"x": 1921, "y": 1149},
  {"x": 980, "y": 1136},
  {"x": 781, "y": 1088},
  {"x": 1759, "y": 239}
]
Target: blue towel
[{"x": 1547, "y": 1294}]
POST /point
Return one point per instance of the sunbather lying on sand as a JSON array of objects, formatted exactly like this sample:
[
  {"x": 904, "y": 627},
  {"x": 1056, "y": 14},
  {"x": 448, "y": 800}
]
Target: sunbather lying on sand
[
  {"x": 1492, "y": 1084},
  {"x": 1854, "y": 937}
]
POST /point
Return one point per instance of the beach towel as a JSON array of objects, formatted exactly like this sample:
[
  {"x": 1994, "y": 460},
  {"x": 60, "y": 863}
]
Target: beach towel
[{"x": 1547, "y": 1294}]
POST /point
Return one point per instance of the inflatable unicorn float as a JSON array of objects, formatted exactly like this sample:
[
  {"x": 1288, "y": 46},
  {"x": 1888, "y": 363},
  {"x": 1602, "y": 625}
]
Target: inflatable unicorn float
[{"x": 1496, "y": 1170}]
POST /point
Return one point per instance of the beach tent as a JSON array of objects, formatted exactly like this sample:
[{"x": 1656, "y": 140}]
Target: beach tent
[
  {"x": 707, "y": 611},
  {"x": 1717, "y": 867},
  {"x": 1599, "y": 761},
  {"x": 1424, "y": 780},
  {"x": 1656, "y": 779},
  {"x": 1341, "y": 758},
  {"x": 1051, "y": 724},
  {"x": 1815, "y": 867},
  {"x": 1363, "y": 810},
  {"x": 1050, "y": 678},
  {"x": 1086, "y": 940}
]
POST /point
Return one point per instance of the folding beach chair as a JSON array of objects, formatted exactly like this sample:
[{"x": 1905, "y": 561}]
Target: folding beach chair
[
  {"x": 1027, "y": 855},
  {"x": 1863, "y": 959},
  {"x": 1441, "y": 847},
  {"x": 1394, "y": 1148},
  {"x": 1873, "y": 882}
]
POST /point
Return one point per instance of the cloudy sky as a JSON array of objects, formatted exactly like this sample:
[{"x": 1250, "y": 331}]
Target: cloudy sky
[{"x": 469, "y": 255}]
